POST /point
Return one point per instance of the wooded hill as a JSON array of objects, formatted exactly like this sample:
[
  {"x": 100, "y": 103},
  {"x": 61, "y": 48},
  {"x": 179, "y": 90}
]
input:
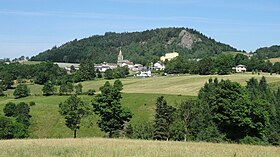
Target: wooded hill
[
  {"x": 139, "y": 47},
  {"x": 268, "y": 52}
]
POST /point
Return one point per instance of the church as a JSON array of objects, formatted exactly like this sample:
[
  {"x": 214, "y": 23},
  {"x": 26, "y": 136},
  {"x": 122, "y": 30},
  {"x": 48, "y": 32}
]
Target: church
[{"x": 121, "y": 62}]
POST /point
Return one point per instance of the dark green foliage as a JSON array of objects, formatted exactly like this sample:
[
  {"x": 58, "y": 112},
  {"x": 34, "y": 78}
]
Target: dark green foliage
[
  {"x": 20, "y": 112},
  {"x": 91, "y": 92},
  {"x": 1, "y": 91},
  {"x": 73, "y": 110},
  {"x": 66, "y": 89},
  {"x": 224, "y": 63},
  {"x": 107, "y": 105},
  {"x": 32, "y": 103},
  {"x": 109, "y": 74},
  {"x": 120, "y": 72},
  {"x": 268, "y": 52},
  {"x": 10, "y": 129},
  {"x": 252, "y": 140},
  {"x": 139, "y": 47},
  {"x": 163, "y": 119},
  {"x": 21, "y": 91},
  {"x": 10, "y": 109},
  {"x": 143, "y": 130},
  {"x": 206, "y": 66},
  {"x": 233, "y": 112},
  {"x": 128, "y": 131},
  {"x": 79, "y": 89},
  {"x": 48, "y": 89},
  {"x": 87, "y": 70},
  {"x": 99, "y": 74}
]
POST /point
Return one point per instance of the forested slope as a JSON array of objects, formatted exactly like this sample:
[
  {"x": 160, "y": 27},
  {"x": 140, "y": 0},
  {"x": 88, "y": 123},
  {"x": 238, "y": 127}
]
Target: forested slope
[{"x": 139, "y": 47}]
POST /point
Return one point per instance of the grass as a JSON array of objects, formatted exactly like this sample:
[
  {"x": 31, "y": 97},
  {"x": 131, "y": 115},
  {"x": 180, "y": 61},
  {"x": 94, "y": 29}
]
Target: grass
[
  {"x": 178, "y": 85},
  {"x": 274, "y": 60},
  {"x": 46, "y": 122},
  {"x": 98, "y": 147}
]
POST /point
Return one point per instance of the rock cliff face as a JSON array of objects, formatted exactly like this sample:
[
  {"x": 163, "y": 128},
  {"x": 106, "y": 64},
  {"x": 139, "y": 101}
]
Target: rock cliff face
[{"x": 187, "y": 39}]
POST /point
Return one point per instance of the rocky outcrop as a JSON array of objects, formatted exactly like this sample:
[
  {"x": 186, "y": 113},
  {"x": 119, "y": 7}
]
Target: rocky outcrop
[{"x": 187, "y": 39}]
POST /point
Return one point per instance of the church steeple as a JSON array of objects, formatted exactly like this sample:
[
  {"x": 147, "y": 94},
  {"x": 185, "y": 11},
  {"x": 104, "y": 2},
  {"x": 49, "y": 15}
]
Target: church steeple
[{"x": 120, "y": 56}]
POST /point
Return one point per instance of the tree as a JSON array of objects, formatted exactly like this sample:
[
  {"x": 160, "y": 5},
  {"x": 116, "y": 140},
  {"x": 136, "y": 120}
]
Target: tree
[
  {"x": 48, "y": 89},
  {"x": 10, "y": 129},
  {"x": 9, "y": 109},
  {"x": 21, "y": 91},
  {"x": 233, "y": 112},
  {"x": 22, "y": 114},
  {"x": 109, "y": 74},
  {"x": 163, "y": 119},
  {"x": 79, "y": 89},
  {"x": 73, "y": 110},
  {"x": 1, "y": 91},
  {"x": 87, "y": 70},
  {"x": 108, "y": 106}
]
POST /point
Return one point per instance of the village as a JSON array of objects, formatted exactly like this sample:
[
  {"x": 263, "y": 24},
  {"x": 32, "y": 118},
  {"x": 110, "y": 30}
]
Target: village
[{"x": 139, "y": 70}]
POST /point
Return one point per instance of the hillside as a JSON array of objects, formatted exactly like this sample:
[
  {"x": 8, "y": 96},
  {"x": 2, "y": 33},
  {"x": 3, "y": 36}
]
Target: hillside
[
  {"x": 139, "y": 47},
  {"x": 268, "y": 52},
  {"x": 98, "y": 147}
]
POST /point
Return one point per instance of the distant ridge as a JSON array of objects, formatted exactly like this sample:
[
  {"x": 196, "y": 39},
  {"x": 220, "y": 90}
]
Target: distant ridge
[{"x": 139, "y": 47}]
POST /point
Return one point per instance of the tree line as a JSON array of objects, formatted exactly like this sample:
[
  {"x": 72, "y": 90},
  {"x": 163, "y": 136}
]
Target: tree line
[
  {"x": 221, "y": 64},
  {"x": 223, "y": 112}
]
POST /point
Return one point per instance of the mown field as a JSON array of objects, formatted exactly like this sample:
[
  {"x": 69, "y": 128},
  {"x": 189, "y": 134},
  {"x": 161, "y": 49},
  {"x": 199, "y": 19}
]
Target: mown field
[
  {"x": 274, "y": 60},
  {"x": 179, "y": 85},
  {"x": 102, "y": 147}
]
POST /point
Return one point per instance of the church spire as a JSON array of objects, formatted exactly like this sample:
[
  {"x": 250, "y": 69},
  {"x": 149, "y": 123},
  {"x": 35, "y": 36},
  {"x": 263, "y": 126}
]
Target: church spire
[{"x": 120, "y": 57}]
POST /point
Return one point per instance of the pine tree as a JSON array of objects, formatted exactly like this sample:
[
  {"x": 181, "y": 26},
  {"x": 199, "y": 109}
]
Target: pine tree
[{"x": 163, "y": 119}]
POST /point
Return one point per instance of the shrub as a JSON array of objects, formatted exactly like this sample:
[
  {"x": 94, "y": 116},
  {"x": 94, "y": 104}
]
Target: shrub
[
  {"x": 252, "y": 140},
  {"x": 32, "y": 103},
  {"x": 91, "y": 92}
]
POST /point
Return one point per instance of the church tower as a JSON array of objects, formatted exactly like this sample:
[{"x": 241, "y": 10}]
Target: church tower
[{"x": 120, "y": 57}]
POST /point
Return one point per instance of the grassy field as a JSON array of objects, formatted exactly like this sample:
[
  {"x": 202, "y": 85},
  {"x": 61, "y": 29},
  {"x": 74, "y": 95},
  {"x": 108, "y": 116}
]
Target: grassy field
[
  {"x": 125, "y": 148},
  {"x": 274, "y": 60},
  {"x": 47, "y": 123},
  {"x": 179, "y": 85}
]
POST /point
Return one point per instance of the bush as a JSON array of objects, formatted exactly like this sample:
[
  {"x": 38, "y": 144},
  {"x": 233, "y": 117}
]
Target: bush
[
  {"x": 32, "y": 103},
  {"x": 91, "y": 92},
  {"x": 10, "y": 129},
  {"x": 9, "y": 109},
  {"x": 252, "y": 140},
  {"x": 274, "y": 139}
]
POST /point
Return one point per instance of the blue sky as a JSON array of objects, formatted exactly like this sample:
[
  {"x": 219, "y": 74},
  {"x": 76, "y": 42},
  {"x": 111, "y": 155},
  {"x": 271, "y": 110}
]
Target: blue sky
[{"x": 31, "y": 26}]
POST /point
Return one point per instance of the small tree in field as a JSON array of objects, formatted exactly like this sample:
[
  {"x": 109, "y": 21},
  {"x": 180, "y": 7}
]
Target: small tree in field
[
  {"x": 108, "y": 106},
  {"x": 21, "y": 91},
  {"x": 48, "y": 89},
  {"x": 73, "y": 110}
]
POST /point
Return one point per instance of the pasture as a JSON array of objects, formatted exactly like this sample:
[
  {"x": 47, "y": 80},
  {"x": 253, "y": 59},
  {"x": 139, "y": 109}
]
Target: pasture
[{"x": 101, "y": 147}]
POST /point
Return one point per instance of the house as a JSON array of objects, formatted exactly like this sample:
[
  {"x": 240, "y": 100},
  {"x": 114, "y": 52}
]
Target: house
[
  {"x": 137, "y": 67},
  {"x": 240, "y": 68},
  {"x": 105, "y": 66},
  {"x": 159, "y": 66},
  {"x": 67, "y": 66},
  {"x": 169, "y": 56},
  {"x": 144, "y": 73}
]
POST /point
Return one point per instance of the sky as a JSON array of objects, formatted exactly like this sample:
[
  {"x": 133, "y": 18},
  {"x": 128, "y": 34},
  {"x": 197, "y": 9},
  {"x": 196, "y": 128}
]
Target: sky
[{"x": 29, "y": 27}]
